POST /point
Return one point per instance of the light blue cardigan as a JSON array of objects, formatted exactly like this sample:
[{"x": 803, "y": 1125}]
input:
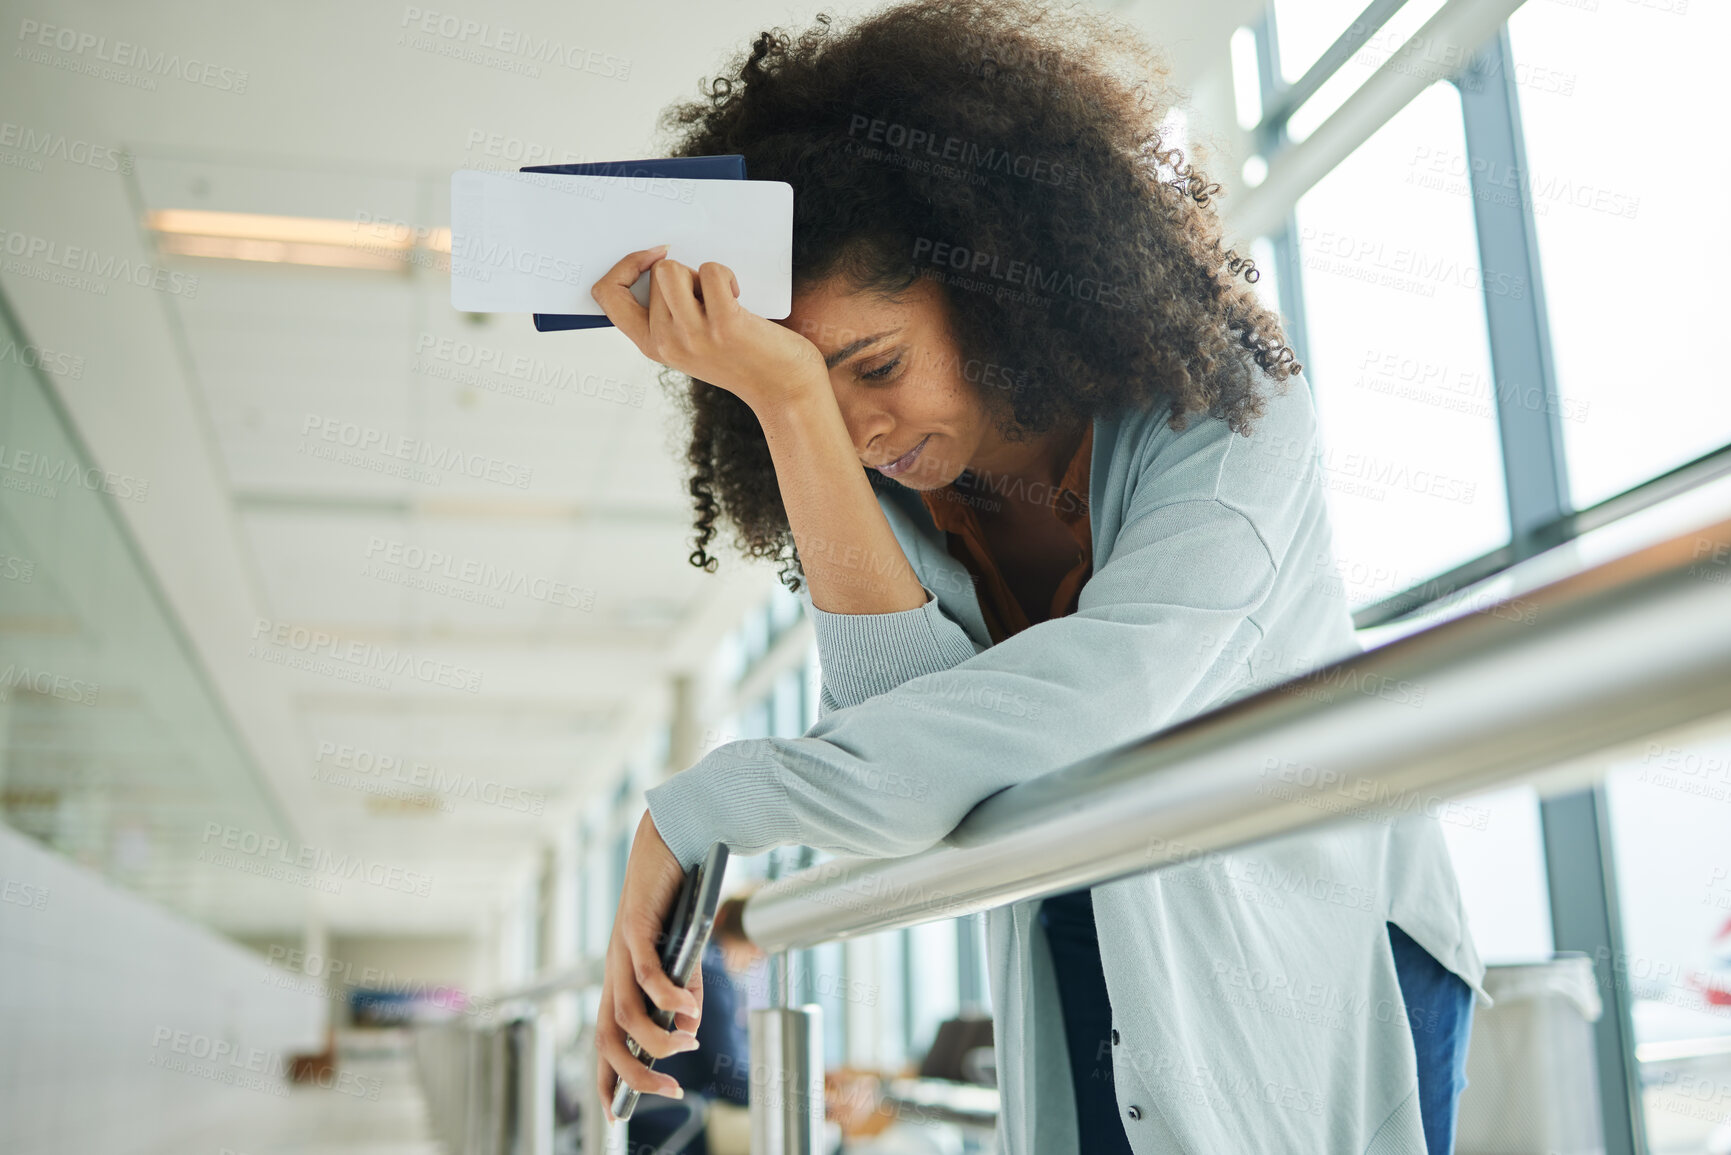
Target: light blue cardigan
[{"x": 1254, "y": 994}]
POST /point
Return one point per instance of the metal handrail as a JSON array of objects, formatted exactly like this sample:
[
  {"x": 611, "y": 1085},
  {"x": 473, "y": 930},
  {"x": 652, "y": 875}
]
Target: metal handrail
[
  {"x": 488, "y": 1077},
  {"x": 1544, "y": 686},
  {"x": 489, "y": 1087},
  {"x": 579, "y": 976}
]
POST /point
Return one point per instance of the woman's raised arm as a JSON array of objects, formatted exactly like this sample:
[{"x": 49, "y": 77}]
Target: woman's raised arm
[{"x": 695, "y": 324}]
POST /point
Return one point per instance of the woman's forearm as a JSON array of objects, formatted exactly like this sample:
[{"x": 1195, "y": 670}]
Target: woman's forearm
[{"x": 850, "y": 556}]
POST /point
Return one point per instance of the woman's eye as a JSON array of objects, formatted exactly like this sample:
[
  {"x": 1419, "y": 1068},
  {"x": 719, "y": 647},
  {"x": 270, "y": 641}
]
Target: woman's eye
[{"x": 881, "y": 371}]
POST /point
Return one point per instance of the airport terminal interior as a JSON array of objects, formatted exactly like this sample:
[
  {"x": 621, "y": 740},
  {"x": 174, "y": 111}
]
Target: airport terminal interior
[{"x": 343, "y": 633}]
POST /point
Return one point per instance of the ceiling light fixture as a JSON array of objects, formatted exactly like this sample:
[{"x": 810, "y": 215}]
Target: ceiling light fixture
[{"x": 322, "y": 241}]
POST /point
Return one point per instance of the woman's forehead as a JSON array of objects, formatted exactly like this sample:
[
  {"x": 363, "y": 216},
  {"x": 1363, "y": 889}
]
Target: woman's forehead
[{"x": 832, "y": 314}]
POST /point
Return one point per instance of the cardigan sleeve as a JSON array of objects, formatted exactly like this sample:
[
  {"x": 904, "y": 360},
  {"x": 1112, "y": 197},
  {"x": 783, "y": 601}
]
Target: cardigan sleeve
[
  {"x": 897, "y": 770},
  {"x": 863, "y": 655}
]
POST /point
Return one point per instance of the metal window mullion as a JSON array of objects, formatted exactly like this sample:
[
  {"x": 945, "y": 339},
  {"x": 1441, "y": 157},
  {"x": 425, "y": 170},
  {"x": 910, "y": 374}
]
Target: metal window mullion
[
  {"x": 1289, "y": 285},
  {"x": 1270, "y": 139},
  {"x": 1280, "y": 105},
  {"x": 1580, "y": 867},
  {"x": 1535, "y": 475},
  {"x": 1270, "y": 135},
  {"x": 1585, "y": 916}
]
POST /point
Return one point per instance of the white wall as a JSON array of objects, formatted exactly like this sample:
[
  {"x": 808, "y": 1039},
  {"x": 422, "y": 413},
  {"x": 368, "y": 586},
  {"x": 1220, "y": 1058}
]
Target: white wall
[{"x": 107, "y": 1001}]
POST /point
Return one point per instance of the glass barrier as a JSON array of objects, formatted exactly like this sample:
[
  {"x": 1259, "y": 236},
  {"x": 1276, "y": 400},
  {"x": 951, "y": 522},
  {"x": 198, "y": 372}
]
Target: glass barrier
[{"x": 114, "y": 748}]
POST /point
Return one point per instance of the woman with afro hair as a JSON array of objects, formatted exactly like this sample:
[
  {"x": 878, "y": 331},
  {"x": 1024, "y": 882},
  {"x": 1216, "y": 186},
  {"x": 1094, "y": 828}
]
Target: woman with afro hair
[{"x": 1046, "y": 475}]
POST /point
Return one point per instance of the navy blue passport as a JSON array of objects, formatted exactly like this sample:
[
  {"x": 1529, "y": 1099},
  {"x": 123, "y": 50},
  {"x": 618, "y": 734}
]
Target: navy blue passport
[{"x": 730, "y": 167}]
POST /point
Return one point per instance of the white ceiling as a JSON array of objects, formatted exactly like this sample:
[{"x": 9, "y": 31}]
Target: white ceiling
[{"x": 210, "y": 397}]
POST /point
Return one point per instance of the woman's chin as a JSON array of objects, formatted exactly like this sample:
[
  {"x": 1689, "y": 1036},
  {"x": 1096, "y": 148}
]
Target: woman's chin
[
  {"x": 926, "y": 476},
  {"x": 917, "y": 480}
]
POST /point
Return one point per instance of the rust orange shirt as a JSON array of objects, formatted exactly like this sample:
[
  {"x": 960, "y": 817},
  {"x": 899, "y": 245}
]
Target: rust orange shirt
[{"x": 952, "y": 509}]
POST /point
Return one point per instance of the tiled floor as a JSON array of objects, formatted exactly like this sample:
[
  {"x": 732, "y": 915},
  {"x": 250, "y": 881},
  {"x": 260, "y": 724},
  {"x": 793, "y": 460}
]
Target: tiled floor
[{"x": 311, "y": 1121}]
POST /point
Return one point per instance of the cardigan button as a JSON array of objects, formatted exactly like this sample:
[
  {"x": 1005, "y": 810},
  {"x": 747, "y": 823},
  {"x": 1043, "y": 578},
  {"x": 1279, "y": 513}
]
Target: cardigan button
[
  {"x": 1134, "y": 1112},
  {"x": 1114, "y": 1036}
]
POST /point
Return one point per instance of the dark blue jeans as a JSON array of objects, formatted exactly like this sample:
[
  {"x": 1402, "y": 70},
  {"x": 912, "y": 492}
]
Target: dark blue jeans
[
  {"x": 1439, "y": 1007},
  {"x": 1069, "y": 922}
]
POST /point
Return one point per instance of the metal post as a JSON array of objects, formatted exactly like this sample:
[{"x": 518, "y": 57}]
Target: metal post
[
  {"x": 780, "y": 979},
  {"x": 475, "y": 1089},
  {"x": 970, "y": 992},
  {"x": 532, "y": 1044},
  {"x": 599, "y": 1136},
  {"x": 787, "y": 1080},
  {"x": 499, "y": 1088}
]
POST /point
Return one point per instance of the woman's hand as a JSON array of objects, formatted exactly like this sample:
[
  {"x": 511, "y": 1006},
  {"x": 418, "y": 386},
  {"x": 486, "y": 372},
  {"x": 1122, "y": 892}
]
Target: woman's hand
[
  {"x": 694, "y": 323},
  {"x": 652, "y": 879},
  {"x": 847, "y": 552}
]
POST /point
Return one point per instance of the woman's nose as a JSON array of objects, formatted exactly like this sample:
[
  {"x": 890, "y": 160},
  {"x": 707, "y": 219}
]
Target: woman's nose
[{"x": 868, "y": 425}]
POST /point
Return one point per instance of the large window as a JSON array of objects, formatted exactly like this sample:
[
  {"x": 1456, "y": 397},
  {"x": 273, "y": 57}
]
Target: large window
[
  {"x": 1397, "y": 354},
  {"x": 1309, "y": 28},
  {"x": 1629, "y": 196},
  {"x": 1497, "y": 846}
]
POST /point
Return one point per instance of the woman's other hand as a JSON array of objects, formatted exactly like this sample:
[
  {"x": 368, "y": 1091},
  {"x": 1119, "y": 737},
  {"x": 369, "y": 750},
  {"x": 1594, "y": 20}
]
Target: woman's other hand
[
  {"x": 694, "y": 323},
  {"x": 633, "y": 969}
]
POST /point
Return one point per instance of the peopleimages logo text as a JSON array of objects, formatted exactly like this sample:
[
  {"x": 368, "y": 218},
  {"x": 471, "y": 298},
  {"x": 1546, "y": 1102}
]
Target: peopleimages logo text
[
  {"x": 38, "y": 143},
  {"x": 48, "y": 684},
  {"x": 41, "y": 474},
  {"x": 383, "y": 444},
  {"x": 253, "y": 1068},
  {"x": 358, "y": 760},
  {"x": 515, "y": 42},
  {"x": 317, "y": 859},
  {"x": 1035, "y": 278},
  {"x": 125, "y": 54},
  {"x": 365, "y": 655}
]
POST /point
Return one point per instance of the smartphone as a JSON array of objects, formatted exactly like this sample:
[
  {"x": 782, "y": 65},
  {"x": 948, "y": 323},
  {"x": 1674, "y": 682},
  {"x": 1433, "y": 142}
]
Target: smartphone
[{"x": 683, "y": 940}]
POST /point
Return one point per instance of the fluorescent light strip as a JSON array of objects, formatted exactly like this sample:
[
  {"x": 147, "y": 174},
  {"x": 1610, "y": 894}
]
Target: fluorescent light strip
[
  {"x": 293, "y": 240},
  {"x": 254, "y": 226},
  {"x": 280, "y": 252}
]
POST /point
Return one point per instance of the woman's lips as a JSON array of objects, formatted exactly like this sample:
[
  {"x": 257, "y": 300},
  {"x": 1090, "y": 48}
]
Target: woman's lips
[{"x": 905, "y": 462}]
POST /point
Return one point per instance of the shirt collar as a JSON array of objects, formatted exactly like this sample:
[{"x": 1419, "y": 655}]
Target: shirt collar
[{"x": 950, "y": 508}]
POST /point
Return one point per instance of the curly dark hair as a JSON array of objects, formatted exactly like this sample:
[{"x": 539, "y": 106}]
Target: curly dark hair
[{"x": 1025, "y": 138}]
